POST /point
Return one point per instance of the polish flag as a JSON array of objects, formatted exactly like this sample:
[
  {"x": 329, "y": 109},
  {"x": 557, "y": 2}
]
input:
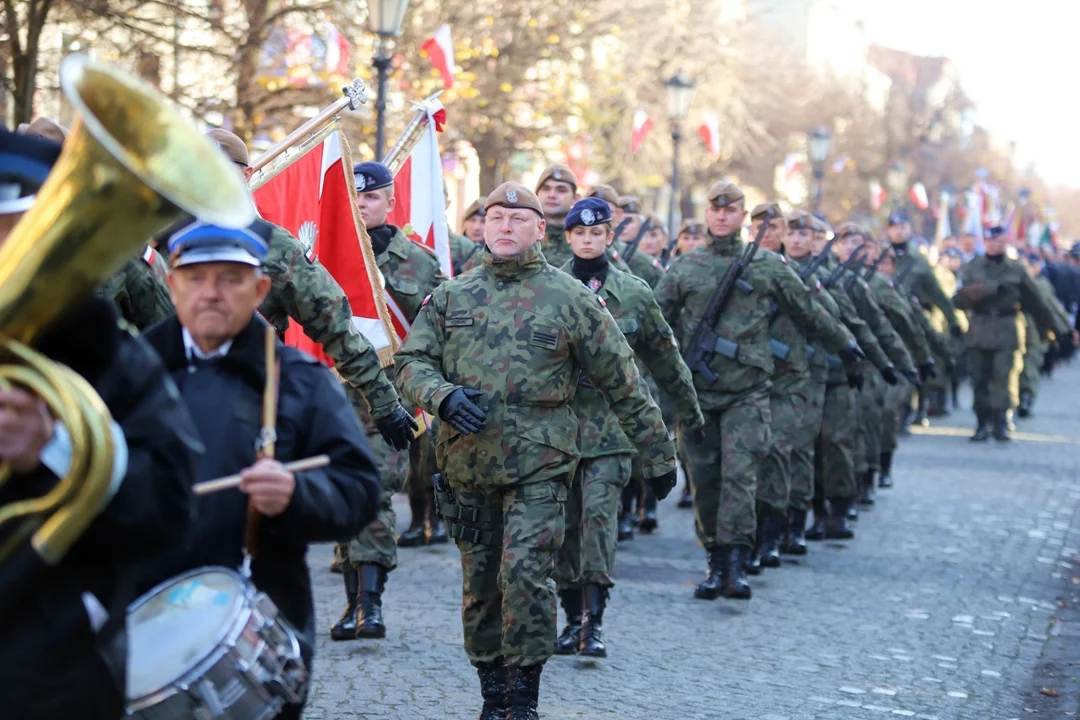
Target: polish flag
[
  {"x": 642, "y": 125},
  {"x": 877, "y": 195},
  {"x": 792, "y": 164},
  {"x": 420, "y": 205},
  {"x": 917, "y": 193},
  {"x": 314, "y": 198},
  {"x": 439, "y": 50},
  {"x": 710, "y": 133}
]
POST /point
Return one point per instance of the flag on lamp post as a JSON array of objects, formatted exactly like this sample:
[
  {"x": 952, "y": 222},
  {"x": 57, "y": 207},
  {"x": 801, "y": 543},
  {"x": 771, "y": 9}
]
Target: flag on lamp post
[
  {"x": 877, "y": 195},
  {"x": 642, "y": 125},
  {"x": 710, "y": 132},
  {"x": 917, "y": 193},
  {"x": 440, "y": 53}
]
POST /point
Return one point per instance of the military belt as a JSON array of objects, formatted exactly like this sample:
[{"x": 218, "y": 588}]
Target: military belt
[{"x": 472, "y": 524}]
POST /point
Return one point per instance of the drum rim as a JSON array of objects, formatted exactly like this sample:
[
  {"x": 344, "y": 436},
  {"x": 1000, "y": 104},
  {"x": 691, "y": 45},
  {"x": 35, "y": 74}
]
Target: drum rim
[{"x": 214, "y": 655}]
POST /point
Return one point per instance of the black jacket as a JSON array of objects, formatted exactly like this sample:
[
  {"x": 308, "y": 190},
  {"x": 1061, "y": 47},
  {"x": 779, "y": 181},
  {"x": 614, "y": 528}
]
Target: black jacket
[
  {"x": 51, "y": 663},
  {"x": 314, "y": 417}
]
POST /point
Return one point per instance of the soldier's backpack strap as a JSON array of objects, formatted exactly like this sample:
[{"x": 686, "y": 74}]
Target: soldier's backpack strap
[{"x": 472, "y": 524}]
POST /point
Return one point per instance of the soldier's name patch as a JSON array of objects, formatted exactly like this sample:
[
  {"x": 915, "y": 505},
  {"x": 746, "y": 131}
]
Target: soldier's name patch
[
  {"x": 458, "y": 321},
  {"x": 545, "y": 337}
]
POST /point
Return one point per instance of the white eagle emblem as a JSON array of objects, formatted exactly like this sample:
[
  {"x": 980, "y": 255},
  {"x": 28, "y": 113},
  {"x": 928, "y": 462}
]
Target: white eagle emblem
[
  {"x": 588, "y": 216},
  {"x": 557, "y": 174},
  {"x": 511, "y": 196},
  {"x": 307, "y": 235},
  {"x": 361, "y": 182}
]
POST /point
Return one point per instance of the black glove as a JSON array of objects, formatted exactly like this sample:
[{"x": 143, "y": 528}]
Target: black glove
[
  {"x": 855, "y": 380},
  {"x": 459, "y": 410},
  {"x": 889, "y": 373},
  {"x": 852, "y": 352},
  {"x": 663, "y": 485},
  {"x": 956, "y": 332},
  {"x": 928, "y": 370},
  {"x": 398, "y": 428},
  {"x": 912, "y": 376}
]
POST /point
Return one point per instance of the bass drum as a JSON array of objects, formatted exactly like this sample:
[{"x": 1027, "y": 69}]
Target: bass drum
[{"x": 205, "y": 645}]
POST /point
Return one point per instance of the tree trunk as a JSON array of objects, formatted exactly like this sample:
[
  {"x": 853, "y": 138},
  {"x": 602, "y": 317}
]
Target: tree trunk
[
  {"x": 24, "y": 60},
  {"x": 247, "y": 67}
]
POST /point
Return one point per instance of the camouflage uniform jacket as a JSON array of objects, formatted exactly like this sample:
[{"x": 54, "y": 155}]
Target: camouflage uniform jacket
[
  {"x": 642, "y": 265},
  {"x": 411, "y": 272},
  {"x": 302, "y": 289},
  {"x": 850, "y": 317},
  {"x": 140, "y": 298},
  {"x": 838, "y": 304},
  {"x": 921, "y": 282},
  {"x": 795, "y": 368},
  {"x": 684, "y": 293},
  {"x": 556, "y": 247},
  {"x": 994, "y": 292},
  {"x": 900, "y": 313},
  {"x": 893, "y": 350},
  {"x": 630, "y": 301},
  {"x": 461, "y": 251},
  {"x": 523, "y": 332}
]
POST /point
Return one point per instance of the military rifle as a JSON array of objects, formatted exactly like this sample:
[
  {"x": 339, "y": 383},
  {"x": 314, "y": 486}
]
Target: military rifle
[
  {"x": 850, "y": 282},
  {"x": 900, "y": 276},
  {"x": 781, "y": 350},
  {"x": 706, "y": 340},
  {"x": 877, "y": 263},
  {"x": 632, "y": 246},
  {"x": 854, "y": 258},
  {"x": 621, "y": 227}
]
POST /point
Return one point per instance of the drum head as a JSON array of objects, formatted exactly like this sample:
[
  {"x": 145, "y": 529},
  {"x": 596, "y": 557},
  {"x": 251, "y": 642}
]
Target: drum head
[{"x": 175, "y": 626}]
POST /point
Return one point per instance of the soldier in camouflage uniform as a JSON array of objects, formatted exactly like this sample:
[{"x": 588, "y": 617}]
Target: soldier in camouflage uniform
[
  {"x": 641, "y": 264},
  {"x": 787, "y": 401},
  {"x": 995, "y": 290},
  {"x": 411, "y": 272},
  {"x": 921, "y": 280},
  {"x": 1036, "y": 346},
  {"x": 498, "y": 353},
  {"x": 584, "y": 565},
  {"x": 557, "y": 190},
  {"x": 139, "y": 296},
  {"x": 725, "y": 458},
  {"x": 472, "y": 230}
]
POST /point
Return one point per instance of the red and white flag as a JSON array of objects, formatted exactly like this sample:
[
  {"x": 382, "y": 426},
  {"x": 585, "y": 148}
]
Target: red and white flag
[
  {"x": 710, "y": 132},
  {"x": 315, "y": 200},
  {"x": 642, "y": 125},
  {"x": 440, "y": 52},
  {"x": 877, "y": 195},
  {"x": 917, "y": 193},
  {"x": 420, "y": 205}
]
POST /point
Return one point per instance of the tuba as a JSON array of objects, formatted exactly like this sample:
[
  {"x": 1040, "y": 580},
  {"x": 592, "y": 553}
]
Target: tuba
[{"x": 131, "y": 166}]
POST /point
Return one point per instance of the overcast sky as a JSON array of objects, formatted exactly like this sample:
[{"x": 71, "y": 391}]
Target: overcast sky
[{"x": 1018, "y": 63}]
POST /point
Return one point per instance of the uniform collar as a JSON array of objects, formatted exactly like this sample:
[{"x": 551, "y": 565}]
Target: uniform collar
[
  {"x": 193, "y": 351},
  {"x": 530, "y": 261},
  {"x": 725, "y": 244}
]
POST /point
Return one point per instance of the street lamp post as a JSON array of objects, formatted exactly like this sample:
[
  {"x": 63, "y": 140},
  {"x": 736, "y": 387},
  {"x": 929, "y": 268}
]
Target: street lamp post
[
  {"x": 384, "y": 20},
  {"x": 896, "y": 177},
  {"x": 820, "y": 138},
  {"x": 680, "y": 88}
]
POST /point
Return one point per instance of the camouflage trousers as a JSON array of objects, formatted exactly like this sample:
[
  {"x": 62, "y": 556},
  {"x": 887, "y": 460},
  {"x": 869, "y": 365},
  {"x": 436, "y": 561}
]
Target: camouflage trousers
[
  {"x": 723, "y": 461},
  {"x": 508, "y": 593},
  {"x": 995, "y": 379},
  {"x": 870, "y": 402},
  {"x": 802, "y": 454},
  {"x": 896, "y": 397},
  {"x": 422, "y": 467},
  {"x": 787, "y": 411},
  {"x": 377, "y": 544},
  {"x": 587, "y": 556},
  {"x": 1034, "y": 356},
  {"x": 836, "y": 444}
]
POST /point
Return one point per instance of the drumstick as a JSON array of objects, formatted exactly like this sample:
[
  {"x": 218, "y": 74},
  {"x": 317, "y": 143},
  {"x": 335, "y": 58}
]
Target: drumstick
[
  {"x": 266, "y": 449},
  {"x": 231, "y": 481}
]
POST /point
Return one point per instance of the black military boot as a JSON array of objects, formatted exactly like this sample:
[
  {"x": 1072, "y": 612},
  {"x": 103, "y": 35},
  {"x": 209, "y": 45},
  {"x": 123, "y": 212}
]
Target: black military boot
[
  {"x": 885, "y": 478},
  {"x": 648, "y": 513},
  {"x": 626, "y": 528},
  {"x": 713, "y": 585},
  {"x": 982, "y": 429},
  {"x": 817, "y": 530},
  {"x": 795, "y": 535},
  {"x": 837, "y": 528},
  {"x": 1001, "y": 426},
  {"x": 769, "y": 547},
  {"x": 1026, "y": 401},
  {"x": 570, "y": 637},
  {"x": 494, "y": 677},
  {"x": 737, "y": 586},
  {"x": 523, "y": 693},
  {"x": 922, "y": 412},
  {"x": 415, "y": 535},
  {"x": 867, "y": 496},
  {"x": 592, "y": 631},
  {"x": 686, "y": 500},
  {"x": 942, "y": 396},
  {"x": 370, "y": 621},
  {"x": 345, "y": 628},
  {"x": 753, "y": 558},
  {"x": 853, "y": 511}
]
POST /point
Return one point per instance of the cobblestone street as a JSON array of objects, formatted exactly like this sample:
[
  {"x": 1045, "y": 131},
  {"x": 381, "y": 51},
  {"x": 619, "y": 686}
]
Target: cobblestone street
[{"x": 953, "y": 602}]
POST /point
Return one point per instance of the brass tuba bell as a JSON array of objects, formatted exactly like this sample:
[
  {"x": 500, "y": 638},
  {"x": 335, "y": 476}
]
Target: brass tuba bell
[{"x": 131, "y": 166}]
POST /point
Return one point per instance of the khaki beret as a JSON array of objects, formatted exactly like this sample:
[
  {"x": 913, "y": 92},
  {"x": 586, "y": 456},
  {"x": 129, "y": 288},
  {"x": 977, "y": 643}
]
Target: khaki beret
[
  {"x": 820, "y": 226},
  {"x": 657, "y": 222},
  {"x": 514, "y": 195},
  {"x": 46, "y": 128},
  {"x": 849, "y": 228},
  {"x": 605, "y": 193},
  {"x": 475, "y": 208},
  {"x": 693, "y": 227},
  {"x": 769, "y": 207},
  {"x": 230, "y": 144},
  {"x": 630, "y": 204},
  {"x": 559, "y": 172},
  {"x": 725, "y": 193},
  {"x": 801, "y": 220}
]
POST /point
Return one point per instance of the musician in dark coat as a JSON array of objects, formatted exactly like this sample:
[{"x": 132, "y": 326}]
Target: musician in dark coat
[
  {"x": 62, "y": 649},
  {"x": 215, "y": 350}
]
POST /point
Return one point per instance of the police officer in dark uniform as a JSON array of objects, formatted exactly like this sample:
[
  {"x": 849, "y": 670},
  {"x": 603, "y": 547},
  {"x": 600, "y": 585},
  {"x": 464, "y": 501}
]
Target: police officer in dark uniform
[{"x": 215, "y": 350}]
